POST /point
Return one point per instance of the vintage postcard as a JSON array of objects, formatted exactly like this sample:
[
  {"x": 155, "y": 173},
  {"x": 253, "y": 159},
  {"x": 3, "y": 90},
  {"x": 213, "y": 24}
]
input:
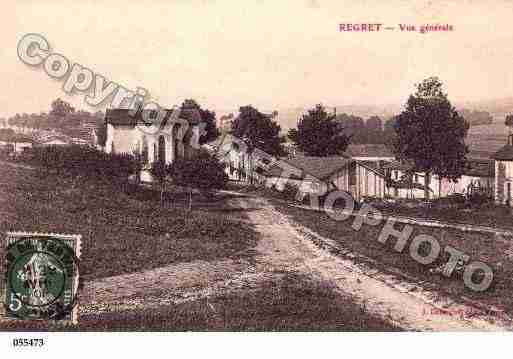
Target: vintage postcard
[{"x": 255, "y": 166}]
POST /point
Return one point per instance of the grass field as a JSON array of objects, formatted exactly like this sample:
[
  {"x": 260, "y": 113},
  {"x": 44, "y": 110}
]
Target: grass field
[
  {"x": 486, "y": 248},
  {"x": 488, "y": 214},
  {"x": 126, "y": 233},
  {"x": 122, "y": 233}
]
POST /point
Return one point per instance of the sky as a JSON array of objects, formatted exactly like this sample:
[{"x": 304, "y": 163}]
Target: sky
[{"x": 270, "y": 54}]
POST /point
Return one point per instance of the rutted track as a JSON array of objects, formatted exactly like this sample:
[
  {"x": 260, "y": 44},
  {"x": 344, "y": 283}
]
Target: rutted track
[
  {"x": 390, "y": 296},
  {"x": 284, "y": 247}
]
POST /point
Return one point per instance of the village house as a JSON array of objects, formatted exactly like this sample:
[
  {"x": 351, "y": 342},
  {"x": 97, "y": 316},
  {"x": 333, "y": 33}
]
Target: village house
[
  {"x": 239, "y": 162},
  {"x": 377, "y": 178},
  {"x": 241, "y": 165},
  {"x": 166, "y": 140},
  {"x": 17, "y": 142},
  {"x": 364, "y": 171},
  {"x": 53, "y": 140},
  {"x": 320, "y": 174},
  {"x": 504, "y": 173},
  {"x": 479, "y": 175},
  {"x": 369, "y": 152}
]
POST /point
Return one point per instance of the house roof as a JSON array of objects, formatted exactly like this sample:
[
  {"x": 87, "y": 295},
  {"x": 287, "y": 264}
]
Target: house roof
[
  {"x": 397, "y": 165},
  {"x": 504, "y": 154},
  {"x": 374, "y": 166},
  {"x": 318, "y": 167},
  {"x": 123, "y": 117},
  {"x": 23, "y": 139},
  {"x": 6, "y": 136},
  {"x": 83, "y": 133},
  {"x": 53, "y": 138},
  {"x": 405, "y": 183},
  {"x": 480, "y": 168},
  {"x": 368, "y": 150},
  {"x": 475, "y": 167}
]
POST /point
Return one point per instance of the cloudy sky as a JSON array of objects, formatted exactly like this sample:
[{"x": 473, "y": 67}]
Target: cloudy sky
[{"x": 272, "y": 54}]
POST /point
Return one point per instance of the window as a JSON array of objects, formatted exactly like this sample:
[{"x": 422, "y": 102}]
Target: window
[
  {"x": 352, "y": 174},
  {"x": 144, "y": 151},
  {"x": 162, "y": 150}
]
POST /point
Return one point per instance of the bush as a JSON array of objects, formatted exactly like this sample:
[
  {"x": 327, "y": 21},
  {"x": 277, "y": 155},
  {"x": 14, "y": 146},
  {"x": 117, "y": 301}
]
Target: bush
[
  {"x": 290, "y": 191},
  {"x": 456, "y": 198},
  {"x": 81, "y": 160},
  {"x": 6, "y": 150},
  {"x": 203, "y": 171},
  {"x": 477, "y": 199}
]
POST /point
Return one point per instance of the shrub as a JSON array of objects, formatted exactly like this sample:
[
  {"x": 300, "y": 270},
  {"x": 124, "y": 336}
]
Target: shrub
[
  {"x": 203, "y": 171},
  {"x": 477, "y": 198},
  {"x": 290, "y": 191},
  {"x": 456, "y": 198},
  {"x": 82, "y": 161}
]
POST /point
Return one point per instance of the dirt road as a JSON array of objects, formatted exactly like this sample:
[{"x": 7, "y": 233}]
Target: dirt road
[{"x": 285, "y": 246}]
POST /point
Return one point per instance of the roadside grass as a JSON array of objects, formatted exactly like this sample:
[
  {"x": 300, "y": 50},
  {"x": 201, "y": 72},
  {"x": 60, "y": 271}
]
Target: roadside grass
[
  {"x": 122, "y": 232},
  {"x": 494, "y": 251},
  {"x": 488, "y": 214},
  {"x": 289, "y": 302}
]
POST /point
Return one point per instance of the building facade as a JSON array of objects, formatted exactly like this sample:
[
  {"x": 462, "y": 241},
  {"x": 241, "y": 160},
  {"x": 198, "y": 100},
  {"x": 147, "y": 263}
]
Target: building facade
[
  {"x": 175, "y": 134},
  {"x": 504, "y": 173}
]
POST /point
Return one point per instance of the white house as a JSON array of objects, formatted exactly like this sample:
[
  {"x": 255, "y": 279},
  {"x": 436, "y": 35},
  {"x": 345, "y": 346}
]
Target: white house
[
  {"x": 320, "y": 174},
  {"x": 504, "y": 173},
  {"x": 18, "y": 142},
  {"x": 164, "y": 139},
  {"x": 373, "y": 179},
  {"x": 403, "y": 183},
  {"x": 228, "y": 149},
  {"x": 369, "y": 152},
  {"x": 53, "y": 141}
]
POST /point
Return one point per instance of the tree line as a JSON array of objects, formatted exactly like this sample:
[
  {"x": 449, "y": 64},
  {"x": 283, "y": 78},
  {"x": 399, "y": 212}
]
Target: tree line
[{"x": 61, "y": 116}]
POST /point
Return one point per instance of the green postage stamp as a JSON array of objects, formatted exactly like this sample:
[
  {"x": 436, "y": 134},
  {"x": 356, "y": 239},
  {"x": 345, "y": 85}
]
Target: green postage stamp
[{"x": 41, "y": 276}]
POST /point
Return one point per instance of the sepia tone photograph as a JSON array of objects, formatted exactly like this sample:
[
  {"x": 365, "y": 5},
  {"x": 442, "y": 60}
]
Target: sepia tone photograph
[{"x": 255, "y": 166}]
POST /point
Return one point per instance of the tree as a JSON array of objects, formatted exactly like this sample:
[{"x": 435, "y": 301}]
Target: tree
[
  {"x": 389, "y": 130},
  {"x": 7, "y": 134},
  {"x": 431, "y": 134},
  {"x": 101, "y": 133},
  {"x": 203, "y": 171},
  {"x": 353, "y": 127},
  {"x": 61, "y": 108},
  {"x": 207, "y": 117},
  {"x": 374, "y": 129},
  {"x": 257, "y": 131},
  {"x": 159, "y": 171},
  {"x": 509, "y": 122},
  {"x": 318, "y": 134}
]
